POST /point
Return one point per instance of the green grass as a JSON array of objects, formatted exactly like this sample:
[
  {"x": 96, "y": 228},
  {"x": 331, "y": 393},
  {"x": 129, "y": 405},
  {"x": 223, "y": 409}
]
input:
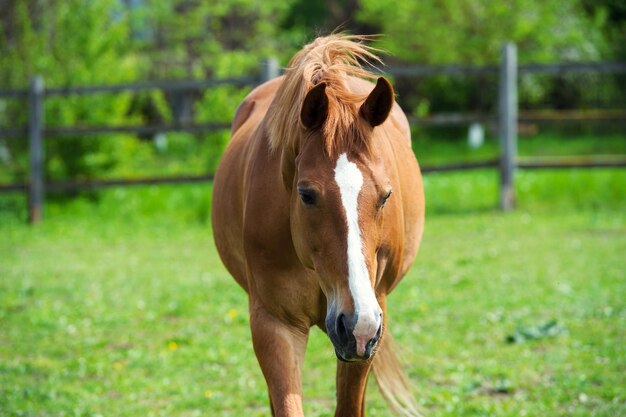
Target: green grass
[{"x": 118, "y": 305}]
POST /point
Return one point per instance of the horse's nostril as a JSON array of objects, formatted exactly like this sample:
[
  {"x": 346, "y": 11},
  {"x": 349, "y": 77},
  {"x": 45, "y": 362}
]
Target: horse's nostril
[{"x": 342, "y": 328}]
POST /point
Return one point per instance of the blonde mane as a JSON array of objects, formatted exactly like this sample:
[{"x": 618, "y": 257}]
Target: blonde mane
[{"x": 331, "y": 59}]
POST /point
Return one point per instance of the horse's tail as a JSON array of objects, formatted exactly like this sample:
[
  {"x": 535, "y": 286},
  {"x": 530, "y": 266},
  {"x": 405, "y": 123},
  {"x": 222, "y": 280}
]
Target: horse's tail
[{"x": 392, "y": 382}]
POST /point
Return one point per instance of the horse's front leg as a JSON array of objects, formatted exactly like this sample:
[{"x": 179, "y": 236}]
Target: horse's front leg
[
  {"x": 351, "y": 385},
  {"x": 352, "y": 380},
  {"x": 280, "y": 349}
]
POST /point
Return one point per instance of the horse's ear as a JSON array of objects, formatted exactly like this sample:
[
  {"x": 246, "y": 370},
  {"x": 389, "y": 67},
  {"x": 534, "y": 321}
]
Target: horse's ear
[
  {"x": 315, "y": 107},
  {"x": 378, "y": 104}
]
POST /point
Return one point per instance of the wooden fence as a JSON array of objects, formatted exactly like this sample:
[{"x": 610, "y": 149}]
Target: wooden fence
[{"x": 507, "y": 120}]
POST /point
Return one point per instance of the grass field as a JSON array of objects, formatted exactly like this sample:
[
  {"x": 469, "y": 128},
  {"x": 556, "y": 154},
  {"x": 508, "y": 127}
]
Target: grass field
[{"x": 119, "y": 306}]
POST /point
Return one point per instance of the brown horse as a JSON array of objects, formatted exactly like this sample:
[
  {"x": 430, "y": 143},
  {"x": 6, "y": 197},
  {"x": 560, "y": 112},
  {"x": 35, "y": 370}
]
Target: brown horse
[{"x": 318, "y": 210}]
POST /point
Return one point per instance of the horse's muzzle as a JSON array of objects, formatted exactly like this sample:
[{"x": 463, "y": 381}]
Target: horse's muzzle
[{"x": 354, "y": 341}]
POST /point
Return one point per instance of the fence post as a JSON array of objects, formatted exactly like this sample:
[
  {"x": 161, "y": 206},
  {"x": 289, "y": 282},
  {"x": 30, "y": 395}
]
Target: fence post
[
  {"x": 36, "y": 183},
  {"x": 269, "y": 69},
  {"x": 508, "y": 125}
]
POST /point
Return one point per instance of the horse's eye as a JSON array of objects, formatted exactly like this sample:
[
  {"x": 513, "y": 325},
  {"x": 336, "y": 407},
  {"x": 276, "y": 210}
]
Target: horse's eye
[
  {"x": 384, "y": 198},
  {"x": 307, "y": 196}
]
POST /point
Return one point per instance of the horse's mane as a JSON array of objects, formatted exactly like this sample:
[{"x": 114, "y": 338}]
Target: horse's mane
[{"x": 331, "y": 59}]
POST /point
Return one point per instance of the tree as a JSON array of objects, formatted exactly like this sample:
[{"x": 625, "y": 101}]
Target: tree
[
  {"x": 198, "y": 39},
  {"x": 63, "y": 41},
  {"x": 473, "y": 31}
]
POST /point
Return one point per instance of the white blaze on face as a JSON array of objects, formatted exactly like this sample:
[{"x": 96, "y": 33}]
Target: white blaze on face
[{"x": 350, "y": 181}]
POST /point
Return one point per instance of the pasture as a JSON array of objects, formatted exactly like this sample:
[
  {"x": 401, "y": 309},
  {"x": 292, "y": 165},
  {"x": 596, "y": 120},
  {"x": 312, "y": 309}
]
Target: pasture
[{"x": 117, "y": 305}]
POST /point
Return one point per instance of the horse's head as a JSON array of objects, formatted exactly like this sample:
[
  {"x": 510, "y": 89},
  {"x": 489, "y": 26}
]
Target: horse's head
[{"x": 337, "y": 203}]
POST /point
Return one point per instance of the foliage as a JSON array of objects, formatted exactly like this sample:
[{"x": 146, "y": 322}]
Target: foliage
[
  {"x": 614, "y": 12},
  {"x": 109, "y": 41},
  {"x": 217, "y": 39},
  {"x": 473, "y": 31},
  {"x": 175, "y": 39},
  {"x": 63, "y": 42}
]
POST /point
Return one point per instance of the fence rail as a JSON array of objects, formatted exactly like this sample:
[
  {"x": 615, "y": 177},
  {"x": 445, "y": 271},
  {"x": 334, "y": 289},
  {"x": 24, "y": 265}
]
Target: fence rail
[
  {"x": 79, "y": 185},
  {"x": 507, "y": 118},
  {"x": 526, "y": 116},
  {"x": 167, "y": 86},
  {"x": 469, "y": 70}
]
